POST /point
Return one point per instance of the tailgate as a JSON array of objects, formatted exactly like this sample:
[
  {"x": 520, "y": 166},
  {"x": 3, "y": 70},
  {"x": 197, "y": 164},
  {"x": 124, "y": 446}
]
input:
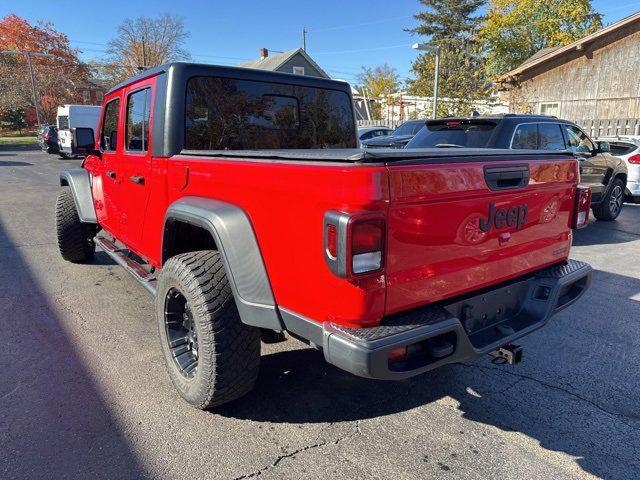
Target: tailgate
[{"x": 456, "y": 227}]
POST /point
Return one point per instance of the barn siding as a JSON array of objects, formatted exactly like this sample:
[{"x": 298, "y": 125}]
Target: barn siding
[{"x": 603, "y": 87}]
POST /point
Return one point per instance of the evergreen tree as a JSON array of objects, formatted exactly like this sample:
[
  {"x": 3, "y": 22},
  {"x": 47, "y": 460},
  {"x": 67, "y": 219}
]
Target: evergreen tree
[{"x": 452, "y": 25}]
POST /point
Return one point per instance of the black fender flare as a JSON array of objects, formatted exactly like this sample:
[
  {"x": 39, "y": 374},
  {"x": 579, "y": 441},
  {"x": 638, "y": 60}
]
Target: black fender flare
[
  {"x": 77, "y": 179},
  {"x": 231, "y": 229}
]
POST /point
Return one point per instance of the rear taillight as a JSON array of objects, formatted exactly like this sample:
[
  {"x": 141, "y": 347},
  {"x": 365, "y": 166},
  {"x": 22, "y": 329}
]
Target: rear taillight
[
  {"x": 354, "y": 243},
  {"x": 634, "y": 159},
  {"x": 581, "y": 207},
  {"x": 367, "y": 242}
]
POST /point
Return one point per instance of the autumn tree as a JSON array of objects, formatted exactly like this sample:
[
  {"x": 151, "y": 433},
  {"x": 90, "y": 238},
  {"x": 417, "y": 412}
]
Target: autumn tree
[
  {"x": 57, "y": 78},
  {"x": 516, "y": 29},
  {"x": 379, "y": 81},
  {"x": 144, "y": 42},
  {"x": 453, "y": 26}
]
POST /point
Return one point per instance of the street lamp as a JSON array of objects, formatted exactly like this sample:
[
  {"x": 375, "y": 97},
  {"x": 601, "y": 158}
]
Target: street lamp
[
  {"x": 33, "y": 78},
  {"x": 426, "y": 47}
]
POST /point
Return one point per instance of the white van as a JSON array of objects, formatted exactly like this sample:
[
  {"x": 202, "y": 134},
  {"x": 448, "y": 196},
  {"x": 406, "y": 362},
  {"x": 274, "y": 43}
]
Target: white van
[{"x": 75, "y": 116}]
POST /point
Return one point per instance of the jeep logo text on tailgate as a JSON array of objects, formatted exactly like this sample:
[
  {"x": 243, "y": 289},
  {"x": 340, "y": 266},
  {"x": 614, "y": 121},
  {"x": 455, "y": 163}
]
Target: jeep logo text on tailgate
[{"x": 500, "y": 218}]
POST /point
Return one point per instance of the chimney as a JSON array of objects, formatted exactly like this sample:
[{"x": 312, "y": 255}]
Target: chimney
[{"x": 264, "y": 53}]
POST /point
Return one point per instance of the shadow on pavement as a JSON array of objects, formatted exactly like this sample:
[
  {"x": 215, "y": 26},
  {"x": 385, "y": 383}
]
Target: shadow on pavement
[
  {"x": 4, "y": 163},
  {"x": 300, "y": 387},
  {"x": 54, "y": 421},
  {"x": 626, "y": 228}
]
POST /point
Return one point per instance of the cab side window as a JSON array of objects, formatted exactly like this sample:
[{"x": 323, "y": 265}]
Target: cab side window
[
  {"x": 109, "y": 133},
  {"x": 137, "y": 125},
  {"x": 577, "y": 140}
]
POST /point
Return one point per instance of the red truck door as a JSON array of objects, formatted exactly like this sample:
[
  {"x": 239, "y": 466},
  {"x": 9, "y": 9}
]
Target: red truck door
[
  {"x": 136, "y": 160},
  {"x": 106, "y": 168}
]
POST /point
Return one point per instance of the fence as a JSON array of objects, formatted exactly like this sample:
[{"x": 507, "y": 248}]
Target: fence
[
  {"x": 611, "y": 127},
  {"x": 376, "y": 123}
]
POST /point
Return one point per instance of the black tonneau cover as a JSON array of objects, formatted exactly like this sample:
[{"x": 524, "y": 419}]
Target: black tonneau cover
[{"x": 383, "y": 155}]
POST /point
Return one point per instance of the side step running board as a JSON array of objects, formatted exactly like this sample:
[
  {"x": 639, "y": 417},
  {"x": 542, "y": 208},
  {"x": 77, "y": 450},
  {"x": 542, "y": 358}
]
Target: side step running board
[{"x": 122, "y": 257}]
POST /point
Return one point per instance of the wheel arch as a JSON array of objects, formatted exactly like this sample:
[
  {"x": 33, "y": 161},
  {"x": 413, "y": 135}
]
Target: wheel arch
[
  {"x": 230, "y": 233},
  {"x": 77, "y": 179}
]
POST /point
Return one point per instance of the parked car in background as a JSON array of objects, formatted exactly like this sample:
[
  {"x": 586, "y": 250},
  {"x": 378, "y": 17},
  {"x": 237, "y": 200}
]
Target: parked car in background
[
  {"x": 627, "y": 148},
  {"x": 366, "y": 133},
  {"x": 604, "y": 173},
  {"x": 71, "y": 117},
  {"x": 48, "y": 138},
  {"x": 398, "y": 138}
]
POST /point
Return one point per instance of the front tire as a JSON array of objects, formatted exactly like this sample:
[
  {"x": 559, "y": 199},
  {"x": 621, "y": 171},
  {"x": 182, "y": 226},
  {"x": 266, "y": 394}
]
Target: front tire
[
  {"x": 611, "y": 205},
  {"x": 211, "y": 356},
  {"x": 75, "y": 239}
]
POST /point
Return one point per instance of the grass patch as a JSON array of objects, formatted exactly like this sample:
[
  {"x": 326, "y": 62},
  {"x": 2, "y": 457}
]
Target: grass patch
[{"x": 18, "y": 140}]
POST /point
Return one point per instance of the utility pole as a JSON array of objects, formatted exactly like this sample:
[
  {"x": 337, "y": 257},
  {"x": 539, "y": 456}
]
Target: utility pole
[
  {"x": 428, "y": 47},
  {"x": 304, "y": 38},
  {"x": 34, "y": 90}
]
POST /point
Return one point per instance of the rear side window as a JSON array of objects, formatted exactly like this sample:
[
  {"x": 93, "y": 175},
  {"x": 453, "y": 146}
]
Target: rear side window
[
  {"x": 454, "y": 133},
  {"x": 224, "y": 113},
  {"x": 550, "y": 137},
  {"x": 525, "y": 137},
  {"x": 109, "y": 134},
  {"x": 622, "y": 148},
  {"x": 138, "y": 113},
  {"x": 63, "y": 122}
]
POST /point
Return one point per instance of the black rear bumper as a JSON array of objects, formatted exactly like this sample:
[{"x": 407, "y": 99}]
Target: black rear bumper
[{"x": 453, "y": 332}]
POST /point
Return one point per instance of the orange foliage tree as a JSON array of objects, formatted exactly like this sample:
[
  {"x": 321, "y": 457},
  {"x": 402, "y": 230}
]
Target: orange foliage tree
[{"x": 57, "y": 78}]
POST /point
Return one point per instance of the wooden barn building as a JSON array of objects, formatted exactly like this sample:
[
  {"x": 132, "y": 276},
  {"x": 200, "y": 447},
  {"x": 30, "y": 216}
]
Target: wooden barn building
[{"x": 592, "y": 79}]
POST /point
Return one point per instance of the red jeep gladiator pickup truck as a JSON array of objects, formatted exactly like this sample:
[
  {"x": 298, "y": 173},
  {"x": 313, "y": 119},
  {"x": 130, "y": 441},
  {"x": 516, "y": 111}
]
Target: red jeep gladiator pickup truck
[{"x": 238, "y": 198}]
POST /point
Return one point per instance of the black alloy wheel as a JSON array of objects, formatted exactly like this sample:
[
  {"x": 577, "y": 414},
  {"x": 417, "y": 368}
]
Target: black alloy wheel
[{"x": 182, "y": 335}]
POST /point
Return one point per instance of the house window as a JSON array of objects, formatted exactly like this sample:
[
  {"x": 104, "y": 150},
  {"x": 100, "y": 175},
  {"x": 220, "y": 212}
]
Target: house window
[
  {"x": 550, "y": 108},
  {"x": 86, "y": 96},
  {"x": 298, "y": 70}
]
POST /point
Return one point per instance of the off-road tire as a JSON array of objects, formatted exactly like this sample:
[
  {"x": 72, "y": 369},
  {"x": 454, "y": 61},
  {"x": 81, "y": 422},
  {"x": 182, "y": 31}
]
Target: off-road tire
[
  {"x": 75, "y": 239},
  {"x": 604, "y": 210},
  {"x": 228, "y": 350}
]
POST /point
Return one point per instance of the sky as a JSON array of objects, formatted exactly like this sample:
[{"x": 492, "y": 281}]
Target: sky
[{"x": 343, "y": 35}]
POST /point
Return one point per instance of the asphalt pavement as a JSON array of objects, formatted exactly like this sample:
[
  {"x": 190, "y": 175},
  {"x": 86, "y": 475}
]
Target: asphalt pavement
[{"x": 84, "y": 394}]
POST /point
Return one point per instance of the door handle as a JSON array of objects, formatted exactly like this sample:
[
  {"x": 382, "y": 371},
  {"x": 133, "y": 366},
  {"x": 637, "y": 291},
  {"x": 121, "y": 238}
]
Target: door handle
[
  {"x": 136, "y": 179},
  {"x": 111, "y": 174}
]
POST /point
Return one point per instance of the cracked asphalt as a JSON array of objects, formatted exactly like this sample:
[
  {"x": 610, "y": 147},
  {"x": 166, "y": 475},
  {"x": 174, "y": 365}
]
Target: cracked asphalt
[{"x": 84, "y": 394}]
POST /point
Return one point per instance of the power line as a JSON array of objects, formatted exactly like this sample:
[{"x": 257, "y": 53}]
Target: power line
[
  {"x": 364, "y": 49},
  {"x": 363, "y": 24}
]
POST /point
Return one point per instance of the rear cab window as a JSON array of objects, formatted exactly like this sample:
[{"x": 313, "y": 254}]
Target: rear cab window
[
  {"x": 137, "y": 120},
  {"x": 231, "y": 114},
  {"x": 454, "y": 133}
]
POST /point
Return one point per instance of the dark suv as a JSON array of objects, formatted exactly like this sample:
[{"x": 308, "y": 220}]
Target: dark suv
[
  {"x": 603, "y": 173},
  {"x": 48, "y": 138}
]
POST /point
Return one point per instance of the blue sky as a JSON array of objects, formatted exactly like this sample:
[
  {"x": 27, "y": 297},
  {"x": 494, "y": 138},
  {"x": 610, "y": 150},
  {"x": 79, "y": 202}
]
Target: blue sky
[{"x": 343, "y": 34}]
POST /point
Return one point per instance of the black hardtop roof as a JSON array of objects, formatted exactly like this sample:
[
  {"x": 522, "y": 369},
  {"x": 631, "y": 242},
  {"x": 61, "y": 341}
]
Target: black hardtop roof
[{"x": 201, "y": 69}]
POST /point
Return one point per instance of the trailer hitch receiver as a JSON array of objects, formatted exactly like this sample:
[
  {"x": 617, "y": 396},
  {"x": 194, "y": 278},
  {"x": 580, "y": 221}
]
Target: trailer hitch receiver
[{"x": 510, "y": 354}]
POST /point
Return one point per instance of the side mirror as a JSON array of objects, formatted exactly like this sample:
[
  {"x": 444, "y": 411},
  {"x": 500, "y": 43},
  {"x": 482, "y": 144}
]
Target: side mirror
[
  {"x": 83, "y": 141},
  {"x": 603, "y": 147}
]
